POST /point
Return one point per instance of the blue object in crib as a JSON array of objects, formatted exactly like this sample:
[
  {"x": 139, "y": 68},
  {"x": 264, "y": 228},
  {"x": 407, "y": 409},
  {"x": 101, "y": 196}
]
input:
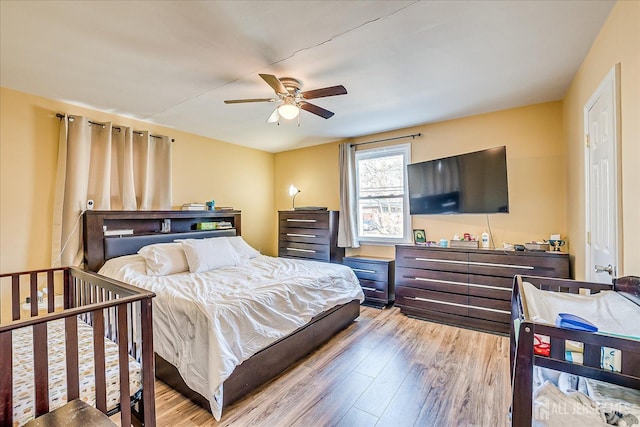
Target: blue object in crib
[{"x": 571, "y": 321}]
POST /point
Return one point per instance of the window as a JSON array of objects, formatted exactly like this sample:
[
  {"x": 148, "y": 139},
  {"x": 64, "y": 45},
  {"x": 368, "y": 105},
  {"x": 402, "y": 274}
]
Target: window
[{"x": 381, "y": 188}]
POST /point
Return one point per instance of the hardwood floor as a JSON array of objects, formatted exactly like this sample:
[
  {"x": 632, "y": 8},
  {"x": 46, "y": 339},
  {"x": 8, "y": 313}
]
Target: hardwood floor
[{"x": 384, "y": 370}]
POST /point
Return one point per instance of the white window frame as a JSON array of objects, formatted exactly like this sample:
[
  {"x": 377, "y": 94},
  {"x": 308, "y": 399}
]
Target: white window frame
[{"x": 372, "y": 153}]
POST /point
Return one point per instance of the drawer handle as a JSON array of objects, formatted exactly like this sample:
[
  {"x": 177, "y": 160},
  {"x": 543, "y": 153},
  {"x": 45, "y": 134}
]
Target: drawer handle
[
  {"x": 495, "y": 310},
  {"x": 458, "y": 305},
  {"x": 366, "y": 288},
  {"x": 362, "y": 270},
  {"x": 438, "y": 302},
  {"x": 445, "y": 261},
  {"x": 487, "y": 264},
  {"x": 497, "y": 288},
  {"x": 491, "y": 264},
  {"x": 301, "y": 235},
  {"x": 449, "y": 282},
  {"x": 301, "y": 220},
  {"x": 301, "y": 250}
]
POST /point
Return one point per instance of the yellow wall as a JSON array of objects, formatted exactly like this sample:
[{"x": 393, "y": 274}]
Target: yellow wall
[
  {"x": 202, "y": 169},
  {"x": 618, "y": 42},
  {"x": 533, "y": 136}
]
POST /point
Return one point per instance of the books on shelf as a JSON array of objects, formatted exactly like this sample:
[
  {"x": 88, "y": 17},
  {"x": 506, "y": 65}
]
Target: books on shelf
[
  {"x": 223, "y": 225},
  {"x": 223, "y": 208},
  {"x": 194, "y": 207},
  {"x": 118, "y": 232}
]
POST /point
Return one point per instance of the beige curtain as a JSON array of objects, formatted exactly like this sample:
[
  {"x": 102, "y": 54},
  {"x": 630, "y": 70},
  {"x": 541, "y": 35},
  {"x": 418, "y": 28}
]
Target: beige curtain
[
  {"x": 347, "y": 222},
  {"x": 116, "y": 167}
]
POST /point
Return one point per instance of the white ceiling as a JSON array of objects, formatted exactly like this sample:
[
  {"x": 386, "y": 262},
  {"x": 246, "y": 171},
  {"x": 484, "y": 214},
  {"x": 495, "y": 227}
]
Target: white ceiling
[{"x": 403, "y": 62}]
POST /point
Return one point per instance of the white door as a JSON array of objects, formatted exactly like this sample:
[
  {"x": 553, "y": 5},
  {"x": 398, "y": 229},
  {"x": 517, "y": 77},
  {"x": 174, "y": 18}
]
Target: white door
[{"x": 602, "y": 182}]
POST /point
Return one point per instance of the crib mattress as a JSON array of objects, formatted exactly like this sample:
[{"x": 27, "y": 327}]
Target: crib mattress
[{"x": 23, "y": 375}]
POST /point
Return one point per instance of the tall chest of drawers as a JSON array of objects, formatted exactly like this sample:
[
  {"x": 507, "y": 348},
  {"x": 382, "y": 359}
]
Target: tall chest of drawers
[
  {"x": 467, "y": 287},
  {"x": 309, "y": 235}
]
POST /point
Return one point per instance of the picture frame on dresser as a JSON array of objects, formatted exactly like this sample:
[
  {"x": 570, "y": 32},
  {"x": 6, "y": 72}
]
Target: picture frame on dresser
[{"x": 419, "y": 236}]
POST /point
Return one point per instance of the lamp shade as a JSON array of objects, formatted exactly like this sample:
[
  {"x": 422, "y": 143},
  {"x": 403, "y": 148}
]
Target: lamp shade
[
  {"x": 293, "y": 190},
  {"x": 288, "y": 110}
]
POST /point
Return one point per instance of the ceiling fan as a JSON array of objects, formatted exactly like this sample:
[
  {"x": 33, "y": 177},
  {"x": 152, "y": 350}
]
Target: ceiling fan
[{"x": 292, "y": 98}]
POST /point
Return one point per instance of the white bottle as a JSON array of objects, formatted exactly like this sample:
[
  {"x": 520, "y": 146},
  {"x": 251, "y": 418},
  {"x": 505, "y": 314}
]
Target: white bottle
[{"x": 485, "y": 240}]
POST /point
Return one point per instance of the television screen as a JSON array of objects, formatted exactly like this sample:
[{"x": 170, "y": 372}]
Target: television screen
[{"x": 467, "y": 183}]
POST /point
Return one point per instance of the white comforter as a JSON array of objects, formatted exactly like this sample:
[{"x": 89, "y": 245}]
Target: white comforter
[{"x": 206, "y": 324}]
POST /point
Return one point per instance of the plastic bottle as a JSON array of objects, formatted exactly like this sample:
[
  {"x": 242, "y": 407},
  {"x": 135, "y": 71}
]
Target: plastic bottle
[{"x": 485, "y": 240}]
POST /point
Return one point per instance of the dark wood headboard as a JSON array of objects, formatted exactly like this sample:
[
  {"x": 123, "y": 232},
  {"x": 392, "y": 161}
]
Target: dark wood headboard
[{"x": 148, "y": 223}]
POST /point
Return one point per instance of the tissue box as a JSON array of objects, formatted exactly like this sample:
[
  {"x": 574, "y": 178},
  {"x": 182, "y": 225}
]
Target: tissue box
[
  {"x": 463, "y": 244},
  {"x": 540, "y": 247}
]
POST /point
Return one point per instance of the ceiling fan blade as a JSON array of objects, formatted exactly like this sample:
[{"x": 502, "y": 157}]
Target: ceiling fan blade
[
  {"x": 318, "y": 111},
  {"x": 274, "y": 117},
  {"x": 240, "y": 101},
  {"x": 327, "y": 91},
  {"x": 275, "y": 83}
]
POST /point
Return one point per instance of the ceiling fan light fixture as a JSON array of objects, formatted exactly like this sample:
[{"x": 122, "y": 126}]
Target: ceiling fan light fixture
[{"x": 288, "y": 110}]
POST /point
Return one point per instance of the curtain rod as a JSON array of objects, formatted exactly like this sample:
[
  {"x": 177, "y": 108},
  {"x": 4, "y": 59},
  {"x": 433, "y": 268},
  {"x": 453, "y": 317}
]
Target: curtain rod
[
  {"x": 412, "y": 136},
  {"x": 91, "y": 122}
]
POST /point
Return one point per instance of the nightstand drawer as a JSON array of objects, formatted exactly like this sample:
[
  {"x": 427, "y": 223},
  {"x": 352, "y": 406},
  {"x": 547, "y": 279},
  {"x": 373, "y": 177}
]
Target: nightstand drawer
[
  {"x": 376, "y": 277},
  {"x": 368, "y": 270}
]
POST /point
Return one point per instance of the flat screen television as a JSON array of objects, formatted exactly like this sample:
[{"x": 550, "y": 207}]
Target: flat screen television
[{"x": 467, "y": 183}]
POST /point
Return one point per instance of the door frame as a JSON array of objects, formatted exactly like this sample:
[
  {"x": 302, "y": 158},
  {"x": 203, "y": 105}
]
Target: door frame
[{"x": 612, "y": 77}]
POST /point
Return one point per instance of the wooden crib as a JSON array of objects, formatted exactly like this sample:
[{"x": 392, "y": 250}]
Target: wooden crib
[{"x": 119, "y": 319}]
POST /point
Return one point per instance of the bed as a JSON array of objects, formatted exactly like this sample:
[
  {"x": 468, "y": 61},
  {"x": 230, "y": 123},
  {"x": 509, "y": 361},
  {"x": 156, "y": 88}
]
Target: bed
[
  {"x": 195, "y": 321},
  {"x": 93, "y": 341},
  {"x": 604, "y": 366}
]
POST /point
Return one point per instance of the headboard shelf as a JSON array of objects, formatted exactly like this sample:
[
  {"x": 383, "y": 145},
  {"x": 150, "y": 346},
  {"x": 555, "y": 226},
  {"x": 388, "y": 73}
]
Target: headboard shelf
[{"x": 144, "y": 223}]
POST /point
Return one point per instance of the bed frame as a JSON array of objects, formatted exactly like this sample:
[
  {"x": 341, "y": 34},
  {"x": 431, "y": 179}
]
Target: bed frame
[
  {"x": 109, "y": 306},
  {"x": 523, "y": 358},
  {"x": 253, "y": 372}
]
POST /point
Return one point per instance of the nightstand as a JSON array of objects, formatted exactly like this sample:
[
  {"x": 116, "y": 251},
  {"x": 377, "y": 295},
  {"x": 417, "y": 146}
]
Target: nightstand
[{"x": 376, "y": 277}]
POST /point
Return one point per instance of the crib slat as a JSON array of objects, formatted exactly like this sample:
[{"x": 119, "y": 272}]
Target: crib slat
[
  {"x": 148, "y": 360},
  {"x": 68, "y": 292},
  {"x": 51, "y": 296},
  {"x": 34, "y": 293},
  {"x": 41, "y": 368},
  {"x": 71, "y": 343},
  {"x": 98, "y": 353},
  {"x": 125, "y": 407},
  {"x": 6, "y": 379},
  {"x": 15, "y": 297}
]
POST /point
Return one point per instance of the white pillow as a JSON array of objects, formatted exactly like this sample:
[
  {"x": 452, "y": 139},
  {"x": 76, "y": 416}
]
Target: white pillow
[
  {"x": 209, "y": 254},
  {"x": 243, "y": 248},
  {"x": 164, "y": 258}
]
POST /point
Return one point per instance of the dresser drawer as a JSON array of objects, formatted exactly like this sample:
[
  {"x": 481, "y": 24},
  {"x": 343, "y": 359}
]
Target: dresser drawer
[
  {"x": 304, "y": 250},
  {"x": 443, "y": 281},
  {"x": 490, "y": 287},
  {"x": 508, "y": 265},
  {"x": 432, "y": 259},
  {"x": 304, "y": 235},
  {"x": 430, "y": 300},
  {"x": 489, "y": 309},
  {"x": 304, "y": 220}
]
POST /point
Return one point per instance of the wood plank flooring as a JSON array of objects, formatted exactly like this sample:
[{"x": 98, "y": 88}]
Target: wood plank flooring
[{"x": 384, "y": 370}]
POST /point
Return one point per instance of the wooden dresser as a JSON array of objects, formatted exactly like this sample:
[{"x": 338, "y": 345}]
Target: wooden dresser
[
  {"x": 309, "y": 234},
  {"x": 467, "y": 287},
  {"x": 376, "y": 278}
]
